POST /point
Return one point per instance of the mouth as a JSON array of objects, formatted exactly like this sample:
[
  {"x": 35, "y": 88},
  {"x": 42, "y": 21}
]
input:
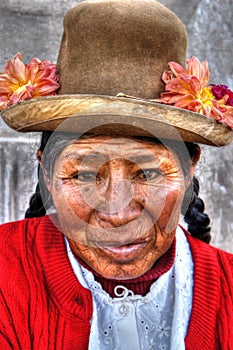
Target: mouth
[{"x": 123, "y": 252}]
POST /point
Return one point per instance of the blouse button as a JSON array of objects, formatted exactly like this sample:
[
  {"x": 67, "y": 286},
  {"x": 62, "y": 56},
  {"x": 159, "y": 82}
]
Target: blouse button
[
  {"x": 78, "y": 301},
  {"x": 125, "y": 310}
]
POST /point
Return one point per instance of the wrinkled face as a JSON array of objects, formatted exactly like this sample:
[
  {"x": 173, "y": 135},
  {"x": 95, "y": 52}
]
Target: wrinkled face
[{"x": 118, "y": 201}]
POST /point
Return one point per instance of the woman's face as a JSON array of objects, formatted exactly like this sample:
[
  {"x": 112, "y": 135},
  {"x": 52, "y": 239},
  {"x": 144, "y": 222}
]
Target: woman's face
[{"x": 118, "y": 201}]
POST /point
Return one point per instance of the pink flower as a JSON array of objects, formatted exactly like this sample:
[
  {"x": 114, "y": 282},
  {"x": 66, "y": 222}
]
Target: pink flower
[
  {"x": 222, "y": 91},
  {"x": 189, "y": 89},
  {"x": 19, "y": 82}
]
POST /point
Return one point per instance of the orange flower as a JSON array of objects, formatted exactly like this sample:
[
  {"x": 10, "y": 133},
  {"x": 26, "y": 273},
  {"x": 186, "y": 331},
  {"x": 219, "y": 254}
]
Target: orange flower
[
  {"x": 19, "y": 82},
  {"x": 189, "y": 89}
]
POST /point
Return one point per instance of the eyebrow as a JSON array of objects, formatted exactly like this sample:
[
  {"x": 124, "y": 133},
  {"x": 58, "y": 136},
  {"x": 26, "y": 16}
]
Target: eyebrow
[
  {"x": 140, "y": 159},
  {"x": 80, "y": 157}
]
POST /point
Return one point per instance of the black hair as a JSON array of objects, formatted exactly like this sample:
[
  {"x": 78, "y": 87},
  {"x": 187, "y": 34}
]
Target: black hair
[
  {"x": 197, "y": 221},
  {"x": 192, "y": 207}
]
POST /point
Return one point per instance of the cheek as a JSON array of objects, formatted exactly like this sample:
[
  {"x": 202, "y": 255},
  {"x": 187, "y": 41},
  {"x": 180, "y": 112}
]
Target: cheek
[
  {"x": 70, "y": 202},
  {"x": 164, "y": 203},
  {"x": 170, "y": 214}
]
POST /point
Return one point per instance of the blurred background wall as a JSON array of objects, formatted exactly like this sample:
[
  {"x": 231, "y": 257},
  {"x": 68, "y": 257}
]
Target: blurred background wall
[{"x": 34, "y": 27}]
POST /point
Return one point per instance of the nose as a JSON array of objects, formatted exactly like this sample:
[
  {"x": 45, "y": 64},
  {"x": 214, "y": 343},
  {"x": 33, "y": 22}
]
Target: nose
[
  {"x": 121, "y": 217},
  {"x": 119, "y": 206}
]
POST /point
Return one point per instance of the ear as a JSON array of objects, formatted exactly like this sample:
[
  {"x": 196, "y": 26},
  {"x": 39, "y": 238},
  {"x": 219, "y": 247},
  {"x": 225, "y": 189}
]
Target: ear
[
  {"x": 195, "y": 160},
  {"x": 39, "y": 156}
]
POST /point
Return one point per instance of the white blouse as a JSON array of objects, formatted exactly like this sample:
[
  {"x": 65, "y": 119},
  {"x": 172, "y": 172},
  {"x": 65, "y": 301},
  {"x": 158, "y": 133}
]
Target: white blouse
[{"x": 158, "y": 320}]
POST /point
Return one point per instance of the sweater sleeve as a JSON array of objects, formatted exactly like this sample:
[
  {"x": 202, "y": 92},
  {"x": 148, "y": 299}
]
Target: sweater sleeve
[
  {"x": 4, "y": 343},
  {"x": 211, "y": 323},
  {"x": 225, "y": 313},
  {"x": 8, "y": 336},
  {"x": 14, "y": 289},
  {"x": 39, "y": 291}
]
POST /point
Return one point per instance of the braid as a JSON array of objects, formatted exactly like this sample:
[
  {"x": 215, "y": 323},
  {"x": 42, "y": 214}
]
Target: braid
[
  {"x": 197, "y": 220},
  {"x": 36, "y": 206},
  {"x": 36, "y": 203}
]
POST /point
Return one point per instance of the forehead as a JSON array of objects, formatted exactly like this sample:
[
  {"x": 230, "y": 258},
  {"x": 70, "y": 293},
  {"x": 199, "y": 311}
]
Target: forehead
[
  {"x": 115, "y": 145},
  {"x": 108, "y": 147}
]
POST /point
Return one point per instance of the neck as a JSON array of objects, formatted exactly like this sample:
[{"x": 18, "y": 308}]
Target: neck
[{"x": 140, "y": 285}]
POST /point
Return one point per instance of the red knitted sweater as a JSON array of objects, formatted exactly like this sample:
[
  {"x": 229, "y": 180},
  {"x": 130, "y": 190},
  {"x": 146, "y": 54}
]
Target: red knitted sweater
[{"x": 43, "y": 306}]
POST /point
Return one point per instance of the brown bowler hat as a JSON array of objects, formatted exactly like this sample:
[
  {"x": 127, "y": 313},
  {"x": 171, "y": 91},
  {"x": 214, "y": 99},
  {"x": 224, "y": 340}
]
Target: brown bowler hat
[{"x": 113, "y": 46}]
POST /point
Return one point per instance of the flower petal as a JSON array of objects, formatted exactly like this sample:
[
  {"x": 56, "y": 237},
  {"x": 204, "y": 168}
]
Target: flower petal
[
  {"x": 46, "y": 87},
  {"x": 176, "y": 68},
  {"x": 3, "y": 102}
]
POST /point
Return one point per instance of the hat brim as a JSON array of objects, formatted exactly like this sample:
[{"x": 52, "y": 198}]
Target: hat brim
[{"x": 115, "y": 115}]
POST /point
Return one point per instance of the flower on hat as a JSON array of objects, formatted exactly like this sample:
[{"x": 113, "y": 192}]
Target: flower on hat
[
  {"x": 19, "y": 82},
  {"x": 222, "y": 91},
  {"x": 189, "y": 89}
]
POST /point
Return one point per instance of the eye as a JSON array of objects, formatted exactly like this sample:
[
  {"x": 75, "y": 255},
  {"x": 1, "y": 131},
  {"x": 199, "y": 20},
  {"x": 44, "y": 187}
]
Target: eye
[
  {"x": 148, "y": 174},
  {"x": 86, "y": 176}
]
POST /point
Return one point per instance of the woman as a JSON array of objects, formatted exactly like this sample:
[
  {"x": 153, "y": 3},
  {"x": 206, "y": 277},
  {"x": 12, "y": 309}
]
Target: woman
[{"x": 109, "y": 267}]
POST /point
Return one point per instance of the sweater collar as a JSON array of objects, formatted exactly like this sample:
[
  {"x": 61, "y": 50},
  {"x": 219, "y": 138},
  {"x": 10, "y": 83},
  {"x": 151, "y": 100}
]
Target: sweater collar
[
  {"x": 63, "y": 286},
  {"x": 206, "y": 296}
]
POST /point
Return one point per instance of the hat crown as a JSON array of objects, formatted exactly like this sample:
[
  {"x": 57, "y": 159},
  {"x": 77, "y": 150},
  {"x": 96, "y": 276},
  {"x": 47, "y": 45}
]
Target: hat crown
[{"x": 112, "y": 46}]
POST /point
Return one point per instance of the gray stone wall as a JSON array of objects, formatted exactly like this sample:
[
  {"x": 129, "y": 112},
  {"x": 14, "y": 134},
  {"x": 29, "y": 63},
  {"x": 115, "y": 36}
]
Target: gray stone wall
[{"x": 35, "y": 27}]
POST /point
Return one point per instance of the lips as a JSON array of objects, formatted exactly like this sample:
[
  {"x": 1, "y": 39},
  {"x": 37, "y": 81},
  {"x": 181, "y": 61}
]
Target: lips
[
  {"x": 123, "y": 252},
  {"x": 129, "y": 248}
]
